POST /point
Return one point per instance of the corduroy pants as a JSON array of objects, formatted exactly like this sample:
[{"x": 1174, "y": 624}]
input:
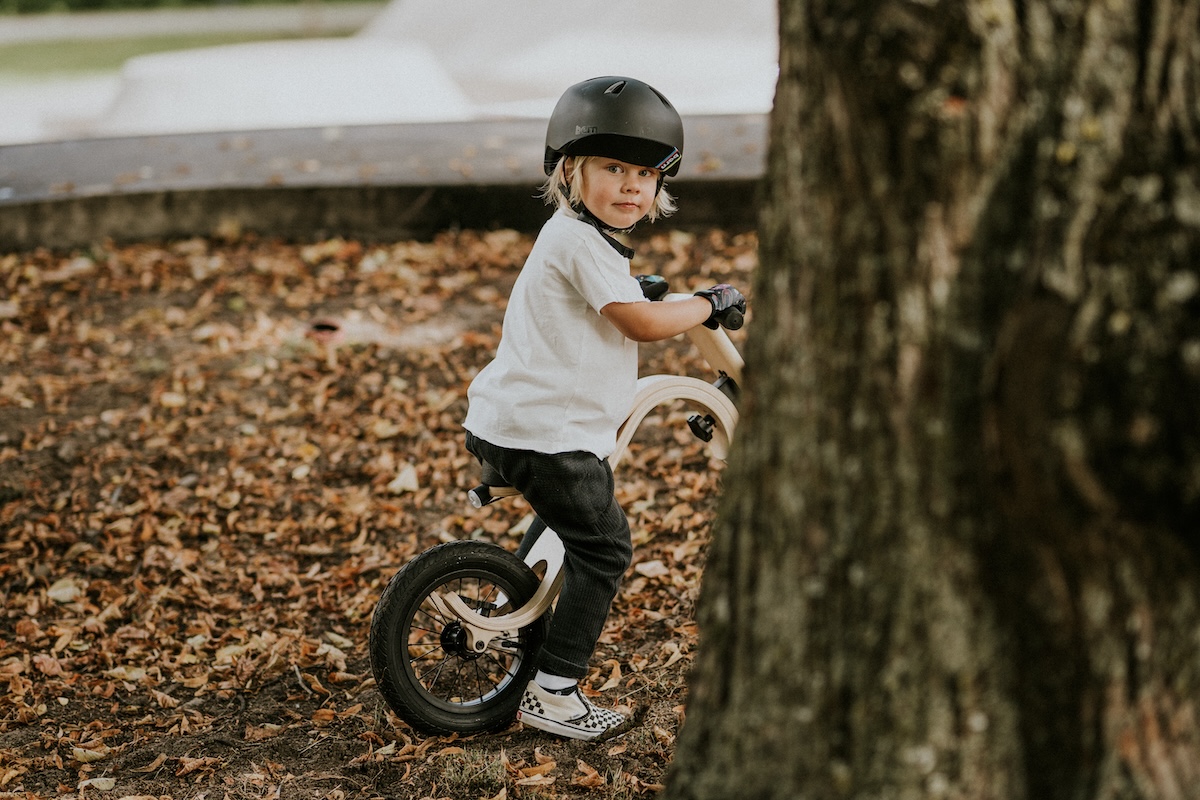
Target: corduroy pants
[{"x": 572, "y": 493}]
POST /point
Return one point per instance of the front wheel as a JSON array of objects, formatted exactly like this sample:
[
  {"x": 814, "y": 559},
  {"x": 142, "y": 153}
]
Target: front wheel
[{"x": 420, "y": 658}]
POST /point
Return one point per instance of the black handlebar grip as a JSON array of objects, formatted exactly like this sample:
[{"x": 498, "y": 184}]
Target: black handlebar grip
[
  {"x": 654, "y": 287},
  {"x": 732, "y": 319}
]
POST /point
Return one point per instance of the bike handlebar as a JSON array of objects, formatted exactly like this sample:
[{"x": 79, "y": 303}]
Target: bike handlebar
[{"x": 714, "y": 345}]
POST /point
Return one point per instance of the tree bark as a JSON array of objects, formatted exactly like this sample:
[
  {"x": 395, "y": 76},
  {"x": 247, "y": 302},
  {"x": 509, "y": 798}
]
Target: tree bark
[{"x": 957, "y": 551}]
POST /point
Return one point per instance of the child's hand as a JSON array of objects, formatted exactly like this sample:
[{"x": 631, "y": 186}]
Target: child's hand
[
  {"x": 654, "y": 287},
  {"x": 729, "y": 306}
]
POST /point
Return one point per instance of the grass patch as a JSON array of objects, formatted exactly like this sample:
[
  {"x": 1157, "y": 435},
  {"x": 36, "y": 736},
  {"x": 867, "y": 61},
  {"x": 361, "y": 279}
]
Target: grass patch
[
  {"x": 14, "y": 8},
  {"x": 471, "y": 774},
  {"x": 107, "y": 55}
]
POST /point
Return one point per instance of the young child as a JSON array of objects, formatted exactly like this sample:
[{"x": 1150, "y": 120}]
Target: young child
[{"x": 544, "y": 414}]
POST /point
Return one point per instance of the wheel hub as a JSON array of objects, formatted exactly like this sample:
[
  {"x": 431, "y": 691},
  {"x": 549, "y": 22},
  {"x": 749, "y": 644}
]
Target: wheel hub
[{"x": 454, "y": 641}]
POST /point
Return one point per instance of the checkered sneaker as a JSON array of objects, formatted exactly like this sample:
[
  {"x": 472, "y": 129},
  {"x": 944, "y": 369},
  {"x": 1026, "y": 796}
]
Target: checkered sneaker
[{"x": 567, "y": 714}]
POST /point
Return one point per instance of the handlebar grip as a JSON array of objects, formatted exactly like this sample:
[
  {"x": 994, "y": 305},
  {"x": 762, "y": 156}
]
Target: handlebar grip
[
  {"x": 654, "y": 287},
  {"x": 732, "y": 319},
  {"x": 484, "y": 494},
  {"x": 480, "y": 496}
]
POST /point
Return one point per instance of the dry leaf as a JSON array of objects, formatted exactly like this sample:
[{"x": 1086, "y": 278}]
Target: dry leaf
[
  {"x": 664, "y": 736},
  {"x": 262, "y": 732},
  {"x": 589, "y": 777},
  {"x": 47, "y": 665},
  {"x": 153, "y": 765},
  {"x": 91, "y": 754},
  {"x": 614, "y": 677},
  {"x": 542, "y": 768},
  {"x": 652, "y": 569},
  {"x": 189, "y": 765},
  {"x": 64, "y": 590},
  {"x": 405, "y": 481},
  {"x": 99, "y": 784}
]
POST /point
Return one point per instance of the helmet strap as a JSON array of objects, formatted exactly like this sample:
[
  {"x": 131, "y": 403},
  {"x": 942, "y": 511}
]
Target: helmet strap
[{"x": 605, "y": 230}]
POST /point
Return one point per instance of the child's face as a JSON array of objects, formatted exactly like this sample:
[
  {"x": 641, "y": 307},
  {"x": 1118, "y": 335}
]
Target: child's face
[{"x": 619, "y": 194}]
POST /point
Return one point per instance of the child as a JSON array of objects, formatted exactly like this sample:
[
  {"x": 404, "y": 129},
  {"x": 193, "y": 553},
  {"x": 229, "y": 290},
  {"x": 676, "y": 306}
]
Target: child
[{"x": 544, "y": 414}]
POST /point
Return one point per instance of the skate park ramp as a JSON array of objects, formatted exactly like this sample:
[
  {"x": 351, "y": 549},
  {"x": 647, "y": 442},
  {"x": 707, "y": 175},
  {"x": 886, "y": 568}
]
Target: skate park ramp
[
  {"x": 432, "y": 114},
  {"x": 423, "y": 60}
]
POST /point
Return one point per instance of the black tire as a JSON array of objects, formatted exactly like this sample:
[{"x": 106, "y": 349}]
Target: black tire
[{"x": 421, "y": 664}]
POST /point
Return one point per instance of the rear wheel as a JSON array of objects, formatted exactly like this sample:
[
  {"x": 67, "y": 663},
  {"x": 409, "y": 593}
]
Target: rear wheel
[{"x": 420, "y": 658}]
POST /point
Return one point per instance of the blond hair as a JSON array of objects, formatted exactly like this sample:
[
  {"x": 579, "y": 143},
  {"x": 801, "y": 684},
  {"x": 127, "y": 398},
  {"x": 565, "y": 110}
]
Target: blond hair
[{"x": 564, "y": 188}]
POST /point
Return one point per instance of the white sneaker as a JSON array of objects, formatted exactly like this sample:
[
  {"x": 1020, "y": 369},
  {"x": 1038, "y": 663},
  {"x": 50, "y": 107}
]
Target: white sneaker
[{"x": 566, "y": 713}]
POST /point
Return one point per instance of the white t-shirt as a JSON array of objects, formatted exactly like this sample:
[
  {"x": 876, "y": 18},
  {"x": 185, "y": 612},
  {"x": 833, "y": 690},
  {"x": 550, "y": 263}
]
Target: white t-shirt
[{"x": 564, "y": 377}]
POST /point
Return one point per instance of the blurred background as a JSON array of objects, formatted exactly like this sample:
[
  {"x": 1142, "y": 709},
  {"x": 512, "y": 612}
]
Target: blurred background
[
  {"x": 74, "y": 69},
  {"x": 380, "y": 118}
]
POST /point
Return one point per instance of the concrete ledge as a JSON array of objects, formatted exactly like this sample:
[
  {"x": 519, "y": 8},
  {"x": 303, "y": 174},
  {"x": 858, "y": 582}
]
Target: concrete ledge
[
  {"x": 370, "y": 213},
  {"x": 370, "y": 181}
]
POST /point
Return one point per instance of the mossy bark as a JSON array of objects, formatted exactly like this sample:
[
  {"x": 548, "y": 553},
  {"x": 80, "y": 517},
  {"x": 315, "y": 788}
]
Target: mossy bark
[{"x": 958, "y": 550}]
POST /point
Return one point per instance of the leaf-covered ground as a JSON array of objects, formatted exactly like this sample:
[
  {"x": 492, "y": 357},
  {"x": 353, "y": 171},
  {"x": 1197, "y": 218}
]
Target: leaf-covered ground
[{"x": 201, "y": 502}]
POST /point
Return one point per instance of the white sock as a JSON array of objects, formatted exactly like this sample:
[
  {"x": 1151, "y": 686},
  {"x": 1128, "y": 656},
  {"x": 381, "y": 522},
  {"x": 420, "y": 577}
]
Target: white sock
[{"x": 554, "y": 683}]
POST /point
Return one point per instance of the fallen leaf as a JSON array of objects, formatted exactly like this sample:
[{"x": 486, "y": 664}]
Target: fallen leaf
[
  {"x": 614, "y": 677},
  {"x": 262, "y": 732},
  {"x": 541, "y": 769},
  {"x": 189, "y": 765},
  {"x": 99, "y": 784},
  {"x": 64, "y": 590},
  {"x": 153, "y": 765},
  {"x": 651, "y": 569},
  {"x": 90, "y": 755},
  {"x": 405, "y": 481},
  {"x": 589, "y": 777}
]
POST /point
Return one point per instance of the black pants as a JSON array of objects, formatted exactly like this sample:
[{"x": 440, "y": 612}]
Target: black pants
[{"x": 572, "y": 493}]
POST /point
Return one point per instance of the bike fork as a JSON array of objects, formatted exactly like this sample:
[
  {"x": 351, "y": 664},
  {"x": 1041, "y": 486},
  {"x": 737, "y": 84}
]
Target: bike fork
[{"x": 480, "y": 630}]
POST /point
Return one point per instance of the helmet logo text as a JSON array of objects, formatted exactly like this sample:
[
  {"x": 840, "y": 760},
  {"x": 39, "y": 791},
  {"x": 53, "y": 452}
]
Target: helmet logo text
[
  {"x": 584, "y": 130},
  {"x": 670, "y": 161}
]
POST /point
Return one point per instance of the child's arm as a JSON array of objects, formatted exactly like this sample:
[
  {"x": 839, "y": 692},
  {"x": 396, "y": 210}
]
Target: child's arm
[{"x": 650, "y": 322}]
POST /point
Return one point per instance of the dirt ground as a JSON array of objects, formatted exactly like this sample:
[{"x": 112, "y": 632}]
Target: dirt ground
[{"x": 201, "y": 504}]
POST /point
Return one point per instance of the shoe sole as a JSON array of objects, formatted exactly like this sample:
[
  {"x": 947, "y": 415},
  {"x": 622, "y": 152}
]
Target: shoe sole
[{"x": 559, "y": 728}]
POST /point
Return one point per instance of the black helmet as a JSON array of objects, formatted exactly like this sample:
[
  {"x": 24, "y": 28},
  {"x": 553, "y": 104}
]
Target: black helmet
[{"x": 619, "y": 118}]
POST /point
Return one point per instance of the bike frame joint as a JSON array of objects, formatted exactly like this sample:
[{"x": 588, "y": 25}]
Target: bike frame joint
[{"x": 702, "y": 427}]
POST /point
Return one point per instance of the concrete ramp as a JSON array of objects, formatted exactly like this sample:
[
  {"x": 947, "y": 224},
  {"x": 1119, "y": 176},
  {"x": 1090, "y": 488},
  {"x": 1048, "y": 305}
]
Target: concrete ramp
[
  {"x": 707, "y": 56},
  {"x": 286, "y": 84},
  {"x": 434, "y": 114},
  {"x": 438, "y": 61}
]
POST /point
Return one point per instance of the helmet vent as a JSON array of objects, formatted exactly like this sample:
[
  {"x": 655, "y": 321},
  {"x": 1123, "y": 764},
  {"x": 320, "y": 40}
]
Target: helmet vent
[{"x": 616, "y": 88}]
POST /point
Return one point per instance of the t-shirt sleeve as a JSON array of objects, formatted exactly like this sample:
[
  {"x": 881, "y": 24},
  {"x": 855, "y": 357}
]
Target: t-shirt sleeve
[{"x": 602, "y": 277}]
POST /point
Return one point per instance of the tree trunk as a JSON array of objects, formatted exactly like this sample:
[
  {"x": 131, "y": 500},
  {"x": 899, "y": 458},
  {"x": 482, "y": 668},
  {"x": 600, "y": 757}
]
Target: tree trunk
[{"x": 958, "y": 550}]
